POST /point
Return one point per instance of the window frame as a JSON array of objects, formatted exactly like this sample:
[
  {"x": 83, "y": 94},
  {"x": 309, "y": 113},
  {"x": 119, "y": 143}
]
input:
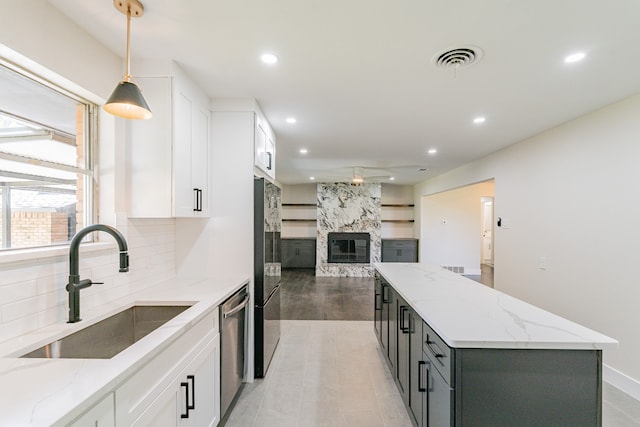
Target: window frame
[{"x": 90, "y": 140}]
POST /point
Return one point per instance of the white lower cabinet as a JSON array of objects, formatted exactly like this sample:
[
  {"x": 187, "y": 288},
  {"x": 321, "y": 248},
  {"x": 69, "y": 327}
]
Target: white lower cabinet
[
  {"x": 189, "y": 400},
  {"x": 178, "y": 387},
  {"x": 100, "y": 415}
]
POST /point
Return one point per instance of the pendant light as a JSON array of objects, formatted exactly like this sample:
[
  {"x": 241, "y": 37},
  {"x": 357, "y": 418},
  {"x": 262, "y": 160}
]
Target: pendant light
[{"x": 127, "y": 101}]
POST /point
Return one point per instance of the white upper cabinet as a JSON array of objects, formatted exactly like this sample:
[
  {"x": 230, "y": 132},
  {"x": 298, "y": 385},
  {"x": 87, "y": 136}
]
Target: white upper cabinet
[
  {"x": 258, "y": 134},
  {"x": 264, "y": 147},
  {"x": 169, "y": 155}
]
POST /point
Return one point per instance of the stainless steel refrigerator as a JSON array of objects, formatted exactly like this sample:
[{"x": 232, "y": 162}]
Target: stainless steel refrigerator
[{"x": 267, "y": 225}]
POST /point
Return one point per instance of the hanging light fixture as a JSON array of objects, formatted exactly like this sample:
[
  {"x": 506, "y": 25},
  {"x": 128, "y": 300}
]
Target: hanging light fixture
[{"x": 127, "y": 101}]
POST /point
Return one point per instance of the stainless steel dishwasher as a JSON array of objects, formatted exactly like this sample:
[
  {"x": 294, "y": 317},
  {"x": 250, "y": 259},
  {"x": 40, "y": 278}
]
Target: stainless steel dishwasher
[{"x": 233, "y": 321}]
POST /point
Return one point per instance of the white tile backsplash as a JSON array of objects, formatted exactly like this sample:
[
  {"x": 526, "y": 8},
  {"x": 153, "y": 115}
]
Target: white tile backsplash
[{"x": 33, "y": 295}]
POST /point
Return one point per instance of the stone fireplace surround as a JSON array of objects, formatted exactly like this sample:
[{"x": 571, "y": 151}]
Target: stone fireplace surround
[{"x": 348, "y": 208}]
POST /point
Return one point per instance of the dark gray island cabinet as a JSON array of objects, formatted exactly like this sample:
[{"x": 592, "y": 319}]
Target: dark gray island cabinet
[{"x": 463, "y": 354}]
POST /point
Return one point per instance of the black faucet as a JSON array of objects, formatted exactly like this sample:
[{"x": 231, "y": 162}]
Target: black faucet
[{"x": 75, "y": 284}]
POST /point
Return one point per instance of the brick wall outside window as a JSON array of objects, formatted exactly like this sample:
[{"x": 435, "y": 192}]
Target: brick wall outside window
[{"x": 38, "y": 228}]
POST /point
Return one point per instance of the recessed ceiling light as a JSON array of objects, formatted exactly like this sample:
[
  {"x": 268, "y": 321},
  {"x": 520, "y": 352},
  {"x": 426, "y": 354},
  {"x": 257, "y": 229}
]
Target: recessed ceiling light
[
  {"x": 312, "y": 178},
  {"x": 269, "y": 58},
  {"x": 303, "y": 151},
  {"x": 392, "y": 178},
  {"x": 478, "y": 120},
  {"x": 575, "y": 57},
  {"x": 290, "y": 120},
  {"x": 432, "y": 151}
]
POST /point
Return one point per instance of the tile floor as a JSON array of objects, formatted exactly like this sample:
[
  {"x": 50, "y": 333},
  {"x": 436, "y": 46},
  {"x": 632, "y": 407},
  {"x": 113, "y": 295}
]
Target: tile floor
[
  {"x": 619, "y": 409},
  {"x": 324, "y": 373},
  {"x": 332, "y": 373}
]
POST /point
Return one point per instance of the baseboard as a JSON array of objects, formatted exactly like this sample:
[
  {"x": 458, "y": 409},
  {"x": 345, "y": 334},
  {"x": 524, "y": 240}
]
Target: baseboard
[{"x": 621, "y": 381}]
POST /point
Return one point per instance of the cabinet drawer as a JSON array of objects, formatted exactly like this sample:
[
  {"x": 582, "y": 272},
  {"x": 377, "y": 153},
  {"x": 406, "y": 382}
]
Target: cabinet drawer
[
  {"x": 143, "y": 387},
  {"x": 399, "y": 250},
  {"x": 399, "y": 244},
  {"x": 438, "y": 351}
]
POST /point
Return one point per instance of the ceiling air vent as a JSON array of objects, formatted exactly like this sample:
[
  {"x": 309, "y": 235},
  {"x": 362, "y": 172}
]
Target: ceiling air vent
[{"x": 457, "y": 58}]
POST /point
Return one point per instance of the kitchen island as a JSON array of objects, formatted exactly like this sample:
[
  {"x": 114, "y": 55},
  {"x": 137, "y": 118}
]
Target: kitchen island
[
  {"x": 134, "y": 386},
  {"x": 463, "y": 354}
]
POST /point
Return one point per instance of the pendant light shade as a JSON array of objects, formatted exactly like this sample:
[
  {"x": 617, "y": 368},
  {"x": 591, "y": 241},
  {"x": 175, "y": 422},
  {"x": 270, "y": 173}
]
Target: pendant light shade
[{"x": 127, "y": 101}]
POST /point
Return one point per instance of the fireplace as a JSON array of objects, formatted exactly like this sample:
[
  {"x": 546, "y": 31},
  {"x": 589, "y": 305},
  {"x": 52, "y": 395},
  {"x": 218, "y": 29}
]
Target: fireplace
[{"x": 348, "y": 248}]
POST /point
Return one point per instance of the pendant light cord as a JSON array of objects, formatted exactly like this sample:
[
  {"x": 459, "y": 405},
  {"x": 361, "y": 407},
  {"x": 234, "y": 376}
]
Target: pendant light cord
[{"x": 127, "y": 76}]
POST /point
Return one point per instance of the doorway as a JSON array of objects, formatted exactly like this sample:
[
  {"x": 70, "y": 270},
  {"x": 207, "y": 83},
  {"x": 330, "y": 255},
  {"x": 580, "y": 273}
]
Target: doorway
[
  {"x": 456, "y": 230},
  {"x": 486, "y": 219}
]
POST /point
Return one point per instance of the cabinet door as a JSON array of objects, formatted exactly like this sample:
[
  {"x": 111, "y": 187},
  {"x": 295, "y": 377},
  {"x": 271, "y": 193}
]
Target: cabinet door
[
  {"x": 193, "y": 399},
  {"x": 388, "y": 253},
  {"x": 100, "y": 415},
  {"x": 377, "y": 308},
  {"x": 288, "y": 248},
  {"x": 403, "y": 349},
  {"x": 392, "y": 306},
  {"x": 205, "y": 395},
  {"x": 270, "y": 161},
  {"x": 200, "y": 160},
  {"x": 260, "y": 147},
  {"x": 184, "y": 194},
  {"x": 439, "y": 398},
  {"x": 149, "y": 154},
  {"x": 190, "y": 151},
  {"x": 416, "y": 362},
  {"x": 386, "y": 298},
  {"x": 164, "y": 411},
  {"x": 307, "y": 254}
]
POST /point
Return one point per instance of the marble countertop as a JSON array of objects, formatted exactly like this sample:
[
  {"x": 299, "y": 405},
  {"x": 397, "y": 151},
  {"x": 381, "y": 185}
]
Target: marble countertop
[
  {"x": 467, "y": 314},
  {"x": 55, "y": 391}
]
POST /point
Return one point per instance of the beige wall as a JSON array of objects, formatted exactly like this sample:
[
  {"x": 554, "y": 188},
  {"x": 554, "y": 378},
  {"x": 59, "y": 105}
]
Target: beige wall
[{"x": 451, "y": 227}]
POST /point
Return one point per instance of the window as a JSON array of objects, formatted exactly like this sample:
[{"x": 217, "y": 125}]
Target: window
[{"x": 46, "y": 172}]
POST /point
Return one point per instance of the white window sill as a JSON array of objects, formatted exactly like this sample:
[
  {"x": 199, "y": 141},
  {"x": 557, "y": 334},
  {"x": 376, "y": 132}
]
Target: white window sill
[{"x": 41, "y": 254}]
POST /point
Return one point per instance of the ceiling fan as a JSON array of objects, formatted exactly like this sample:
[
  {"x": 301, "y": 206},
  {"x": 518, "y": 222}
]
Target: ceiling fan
[{"x": 358, "y": 175}]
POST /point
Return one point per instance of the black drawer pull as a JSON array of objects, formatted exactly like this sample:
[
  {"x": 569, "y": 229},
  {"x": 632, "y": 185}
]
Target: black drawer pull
[
  {"x": 192, "y": 378},
  {"x": 403, "y": 327},
  {"x": 420, "y": 387},
  {"x": 186, "y": 399},
  {"x": 385, "y": 296},
  {"x": 190, "y": 384},
  {"x": 433, "y": 347}
]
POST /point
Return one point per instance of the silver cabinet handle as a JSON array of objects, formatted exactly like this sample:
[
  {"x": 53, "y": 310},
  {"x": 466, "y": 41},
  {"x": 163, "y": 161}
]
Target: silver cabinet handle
[{"x": 237, "y": 308}]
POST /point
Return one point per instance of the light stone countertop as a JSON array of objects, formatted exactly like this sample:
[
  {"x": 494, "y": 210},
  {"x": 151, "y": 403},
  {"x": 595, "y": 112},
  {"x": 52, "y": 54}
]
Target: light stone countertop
[
  {"x": 39, "y": 392},
  {"x": 467, "y": 314}
]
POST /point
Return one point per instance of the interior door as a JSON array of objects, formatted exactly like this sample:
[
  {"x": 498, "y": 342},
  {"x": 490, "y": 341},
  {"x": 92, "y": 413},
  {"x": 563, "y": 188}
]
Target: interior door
[{"x": 487, "y": 230}]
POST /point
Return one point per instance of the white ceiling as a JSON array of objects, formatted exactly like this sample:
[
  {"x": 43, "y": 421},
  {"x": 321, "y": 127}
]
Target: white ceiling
[{"x": 358, "y": 74}]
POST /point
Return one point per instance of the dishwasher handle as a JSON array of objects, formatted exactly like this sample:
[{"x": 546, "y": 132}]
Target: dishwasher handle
[{"x": 237, "y": 308}]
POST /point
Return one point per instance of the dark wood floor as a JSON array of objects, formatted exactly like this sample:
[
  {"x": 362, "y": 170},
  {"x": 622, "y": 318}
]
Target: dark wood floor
[{"x": 307, "y": 297}]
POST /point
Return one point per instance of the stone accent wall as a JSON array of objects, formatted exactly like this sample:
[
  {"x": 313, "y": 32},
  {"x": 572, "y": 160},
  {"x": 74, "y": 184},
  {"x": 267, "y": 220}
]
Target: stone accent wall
[{"x": 344, "y": 207}]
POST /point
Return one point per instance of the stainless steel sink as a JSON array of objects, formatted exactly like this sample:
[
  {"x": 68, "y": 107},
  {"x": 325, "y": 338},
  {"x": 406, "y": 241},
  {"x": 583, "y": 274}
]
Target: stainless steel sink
[{"x": 110, "y": 336}]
